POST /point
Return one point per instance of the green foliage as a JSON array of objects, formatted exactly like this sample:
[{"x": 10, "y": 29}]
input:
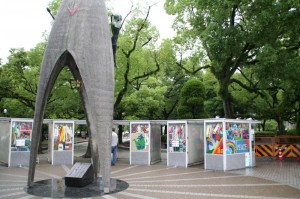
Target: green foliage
[
  {"x": 18, "y": 83},
  {"x": 136, "y": 60},
  {"x": 65, "y": 102},
  {"x": 270, "y": 125},
  {"x": 54, "y": 6},
  {"x": 192, "y": 96},
  {"x": 229, "y": 58},
  {"x": 265, "y": 133},
  {"x": 18, "y": 87},
  {"x": 293, "y": 132},
  {"x": 237, "y": 35},
  {"x": 213, "y": 103},
  {"x": 172, "y": 77},
  {"x": 146, "y": 103}
]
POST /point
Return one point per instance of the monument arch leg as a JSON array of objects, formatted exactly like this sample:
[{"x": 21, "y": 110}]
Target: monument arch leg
[{"x": 80, "y": 39}]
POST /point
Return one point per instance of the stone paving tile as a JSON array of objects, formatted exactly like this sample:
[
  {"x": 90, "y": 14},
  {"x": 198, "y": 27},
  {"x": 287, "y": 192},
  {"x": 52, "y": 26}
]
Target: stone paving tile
[
  {"x": 269, "y": 179},
  {"x": 194, "y": 183},
  {"x": 286, "y": 172}
]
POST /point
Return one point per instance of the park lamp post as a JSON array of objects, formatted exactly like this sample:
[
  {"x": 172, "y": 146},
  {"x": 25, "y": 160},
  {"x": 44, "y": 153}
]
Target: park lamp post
[{"x": 5, "y": 112}]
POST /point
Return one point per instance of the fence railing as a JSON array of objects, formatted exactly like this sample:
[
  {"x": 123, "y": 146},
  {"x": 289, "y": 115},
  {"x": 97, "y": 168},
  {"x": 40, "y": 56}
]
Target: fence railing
[{"x": 269, "y": 146}]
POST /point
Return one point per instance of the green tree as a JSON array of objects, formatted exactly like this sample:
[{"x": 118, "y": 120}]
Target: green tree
[
  {"x": 18, "y": 83},
  {"x": 147, "y": 102},
  {"x": 170, "y": 77},
  {"x": 192, "y": 96},
  {"x": 213, "y": 103},
  {"x": 64, "y": 101},
  {"x": 233, "y": 34},
  {"x": 136, "y": 59},
  {"x": 275, "y": 77}
]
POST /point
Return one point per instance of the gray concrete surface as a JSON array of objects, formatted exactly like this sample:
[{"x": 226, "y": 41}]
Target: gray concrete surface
[
  {"x": 80, "y": 39},
  {"x": 269, "y": 179}
]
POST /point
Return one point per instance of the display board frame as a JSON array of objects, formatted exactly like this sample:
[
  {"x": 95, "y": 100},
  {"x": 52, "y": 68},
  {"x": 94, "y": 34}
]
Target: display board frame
[
  {"x": 20, "y": 142},
  {"x": 177, "y": 134},
  {"x": 235, "y": 147},
  {"x": 195, "y": 152},
  {"x": 62, "y": 142},
  {"x": 140, "y": 142},
  {"x": 155, "y": 147},
  {"x": 5, "y": 140}
]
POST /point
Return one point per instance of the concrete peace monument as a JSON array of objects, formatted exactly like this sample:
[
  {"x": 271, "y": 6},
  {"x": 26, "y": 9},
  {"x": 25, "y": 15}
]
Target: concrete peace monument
[{"x": 80, "y": 39}]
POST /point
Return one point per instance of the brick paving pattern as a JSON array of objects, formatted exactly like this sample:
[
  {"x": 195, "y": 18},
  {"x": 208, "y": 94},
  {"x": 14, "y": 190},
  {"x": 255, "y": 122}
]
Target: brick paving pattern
[{"x": 269, "y": 179}]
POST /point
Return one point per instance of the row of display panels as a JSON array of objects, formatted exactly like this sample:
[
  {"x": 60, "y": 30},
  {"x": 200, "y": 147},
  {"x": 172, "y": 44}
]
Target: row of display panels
[
  {"x": 237, "y": 139},
  {"x": 237, "y": 136},
  {"x": 63, "y": 135},
  {"x": 140, "y": 137},
  {"x": 20, "y": 134},
  {"x": 184, "y": 142}
]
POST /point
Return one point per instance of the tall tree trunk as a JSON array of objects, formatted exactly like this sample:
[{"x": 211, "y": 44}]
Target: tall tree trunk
[
  {"x": 263, "y": 125},
  {"x": 226, "y": 98},
  {"x": 120, "y": 135},
  {"x": 228, "y": 108},
  {"x": 281, "y": 129},
  {"x": 119, "y": 116}
]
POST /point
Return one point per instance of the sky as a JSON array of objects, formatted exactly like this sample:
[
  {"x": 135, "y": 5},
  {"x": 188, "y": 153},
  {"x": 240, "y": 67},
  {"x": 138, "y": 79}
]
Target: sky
[{"x": 23, "y": 22}]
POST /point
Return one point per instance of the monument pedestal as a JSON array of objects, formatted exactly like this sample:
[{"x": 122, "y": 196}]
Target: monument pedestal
[
  {"x": 80, "y": 175},
  {"x": 57, "y": 188}
]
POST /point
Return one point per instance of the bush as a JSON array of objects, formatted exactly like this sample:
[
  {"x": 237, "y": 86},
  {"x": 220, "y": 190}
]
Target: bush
[
  {"x": 265, "y": 133},
  {"x": 293, "y": 132}
]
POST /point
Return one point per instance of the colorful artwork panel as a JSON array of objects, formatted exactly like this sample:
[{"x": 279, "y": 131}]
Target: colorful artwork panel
[
  {"x": 140, "y": 137},
  {"x": 237, "y": 131},
  {"x": 214, "y": 138},
  {"x": 177, "y": 138},
  {"x": 242, "y": 146},
  {"x": 63, "y": 136},
  {"x": 230, "y": 148},
  {"x": 238, "y": 134},
  {"x": 21, "y": 136}
]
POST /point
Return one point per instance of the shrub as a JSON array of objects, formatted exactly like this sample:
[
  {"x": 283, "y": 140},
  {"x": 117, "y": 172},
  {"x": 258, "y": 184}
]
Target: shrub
[
  {"x": 265, "y": 133},
  {"x": 293, "y": 132}
]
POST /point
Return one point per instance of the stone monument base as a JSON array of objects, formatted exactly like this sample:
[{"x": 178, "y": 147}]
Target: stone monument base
[
  {"x": 80, "y": 175},
  {"x": 56, "y": 188}
]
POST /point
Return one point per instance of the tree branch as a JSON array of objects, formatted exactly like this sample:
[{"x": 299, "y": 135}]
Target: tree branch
[
  {"x": 138, "y": 33},
  {"x": 232, "y": 18},
  {"x": 149, "y": 39},
  {"x": 248, "y": 88},
  {"x": 149, "y": 73}
]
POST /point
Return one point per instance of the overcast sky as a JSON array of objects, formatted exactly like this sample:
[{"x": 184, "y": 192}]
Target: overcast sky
[{"x": 23, "y": 22}]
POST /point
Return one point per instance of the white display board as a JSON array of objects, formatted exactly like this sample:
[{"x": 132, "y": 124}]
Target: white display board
[
  {"x": 4, "y": 140},
  {"x": 62, "y": 142},
  {"x": 140, "y": 133},
  {"x": 228, "y": 144},
  {"x": 177, "y": 143},
  {"x": 20, "y": 142},
  {"x": 185, "y": 142}
]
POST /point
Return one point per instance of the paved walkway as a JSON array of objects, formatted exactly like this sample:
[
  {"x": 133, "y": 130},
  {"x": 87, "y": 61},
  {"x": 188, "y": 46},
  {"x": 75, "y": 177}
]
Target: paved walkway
[
  {"x": 285, "y": 172},
  {"x": 269, "y": 179}
]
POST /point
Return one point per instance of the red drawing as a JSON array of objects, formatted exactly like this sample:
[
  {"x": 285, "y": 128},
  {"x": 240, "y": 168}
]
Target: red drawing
[{"x": 72, "y": 11}]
